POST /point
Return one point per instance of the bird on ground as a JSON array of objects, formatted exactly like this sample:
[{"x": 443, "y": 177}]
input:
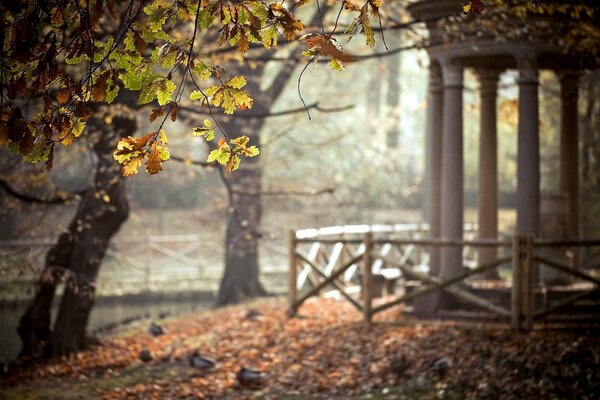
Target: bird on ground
[
  {"x": 254, "y": 315},
  {"x": 250, "y": 377},
  {"x": 156, "y": 330},
  {"x": 440, "y": 366},
  {"x": 399, "y": 365},
  {"x": 145, "y": 355},
  {"x": 201, "y": 362}
]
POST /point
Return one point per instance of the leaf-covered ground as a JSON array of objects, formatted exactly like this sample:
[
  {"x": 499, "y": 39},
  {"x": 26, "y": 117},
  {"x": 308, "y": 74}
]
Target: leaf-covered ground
[{"x": 326, "y": 353}]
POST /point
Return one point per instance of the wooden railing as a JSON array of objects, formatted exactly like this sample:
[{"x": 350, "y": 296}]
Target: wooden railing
[{"x": 347, "y": 259}]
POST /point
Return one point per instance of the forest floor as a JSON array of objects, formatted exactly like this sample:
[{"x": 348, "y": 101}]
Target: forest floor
[{"x": 325, "y": 353}]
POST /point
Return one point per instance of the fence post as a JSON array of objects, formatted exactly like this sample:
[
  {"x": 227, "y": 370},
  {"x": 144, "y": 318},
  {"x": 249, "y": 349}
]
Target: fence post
[
  {"x": 293, "y": 277},
  {"x": 516, "y": 283},
  {"x": 367, "y": 281},
  {"x": 528, "y": 273}
]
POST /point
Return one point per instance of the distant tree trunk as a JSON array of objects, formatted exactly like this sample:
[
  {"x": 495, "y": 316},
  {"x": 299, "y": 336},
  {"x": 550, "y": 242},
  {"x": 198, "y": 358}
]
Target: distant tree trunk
[
  {"x": 77, "y": 256},
  {"x": 393, "y": 97},
  {"x": 241, "y": 275}
]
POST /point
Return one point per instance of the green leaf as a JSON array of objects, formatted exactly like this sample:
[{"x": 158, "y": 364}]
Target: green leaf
[
  {"x": 132, "y": 80},
  {"x": 78, "y": 127},
  {"x": 40, "y": 152},
  {"x": 220, "y": 155},
  {"x": 112, "y": 93},
  {"x": 336, "y": 64},
  {"x": 207, "y": 131},
  {"x": 269, "y": 36},
  {"x": 196, "y": 95},
  {"x": 165, "y": 91},
  {"x": 206, "y": 17},
  {"x": 202, "y": 70},
  {"x": 147, "y": 95}
]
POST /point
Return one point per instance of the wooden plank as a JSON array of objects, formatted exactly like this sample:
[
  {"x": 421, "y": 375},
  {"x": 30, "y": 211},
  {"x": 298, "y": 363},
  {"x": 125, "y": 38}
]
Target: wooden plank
[
  {"x": 135, "y": 263},
  {"x": 349, "y": 274},
  {"x": 173, "y": 255},
  {"x": 565, "y": 302},
  {"x": 566, "y": 269},
  {"x": 515, "y": 299},
  {"x": 527, "y": 283},
  {"x": 334, "y": 284},
  {"x": 292, "y": 274},
  {"x": 465, "y": 295},
  {"x": 304, "y": 273},
  {"x": 367, "y": 277},
  {"x": 321, "y": 285},
  {"x": 439, "y": 284},
  {"x": 383, "y": 252},
  {"x": 334, "y": 257}
]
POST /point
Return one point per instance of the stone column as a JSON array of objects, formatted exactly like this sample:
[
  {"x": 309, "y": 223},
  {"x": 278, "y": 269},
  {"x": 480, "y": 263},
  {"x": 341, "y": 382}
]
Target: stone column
[
  {"x": 452, "y": 167},
  {"x": 569, "y": 160},
  {"x": 435, "y": 103},
  {"x": 425, "y": 306},
  {"x": 528, "y": 154},
  {"x": 488, "y": 165}
]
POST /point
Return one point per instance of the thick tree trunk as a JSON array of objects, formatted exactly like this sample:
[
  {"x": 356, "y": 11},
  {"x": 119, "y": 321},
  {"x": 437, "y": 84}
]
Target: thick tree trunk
[
  {"x": 34, "y": 326},
  {"x": 77, "y": 256},
  {"x": 99, "y": 217}
]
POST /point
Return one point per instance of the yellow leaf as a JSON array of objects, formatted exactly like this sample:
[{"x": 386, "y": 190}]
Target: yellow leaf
[
  {"x": 162, "y": 135},
  {"x": 131, "y": 167},
  {"x": 237, "y": 82}
]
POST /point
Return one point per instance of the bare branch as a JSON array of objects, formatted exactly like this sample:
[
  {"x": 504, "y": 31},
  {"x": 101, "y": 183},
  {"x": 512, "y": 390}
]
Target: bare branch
[
  {"x": 242, "y": 115},
  {"x": 26, "y": 198}
]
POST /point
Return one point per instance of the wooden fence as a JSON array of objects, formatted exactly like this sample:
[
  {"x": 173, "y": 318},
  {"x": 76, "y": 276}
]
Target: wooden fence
[
  {"x": 132, "y": 264},
  {"x": 359, "y": 259}
]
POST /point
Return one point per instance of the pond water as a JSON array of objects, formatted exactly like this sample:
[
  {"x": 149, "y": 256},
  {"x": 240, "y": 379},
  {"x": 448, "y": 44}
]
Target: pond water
[{"x": 108, "y": 312}]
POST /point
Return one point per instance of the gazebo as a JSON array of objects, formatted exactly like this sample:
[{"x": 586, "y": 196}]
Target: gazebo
[{"x": 489, "y": 58}]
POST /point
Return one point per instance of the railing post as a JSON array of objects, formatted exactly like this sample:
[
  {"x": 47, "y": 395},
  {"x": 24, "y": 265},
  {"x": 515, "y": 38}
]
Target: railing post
[
  {"x": 516, "y": 283},
  {"x": 522, "y": 300},
  {"x": 528, "y": 273},
  {"x": 292, "y": 282},
  {"x": 367, "y": 281}
]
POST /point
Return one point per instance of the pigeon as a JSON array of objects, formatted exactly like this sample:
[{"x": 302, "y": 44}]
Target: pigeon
[
  {"x": 3, "y": 370},
  {"x": 201, "y": 362},
  {"x": 440, "y": 366},
  {"x": 254, "y": 315},
  {"x": 399, "y": 365},
  {"x": 155, "y": 329},
  {"x": 145, "y": 355},
  {"x": 250, "y": 377}
]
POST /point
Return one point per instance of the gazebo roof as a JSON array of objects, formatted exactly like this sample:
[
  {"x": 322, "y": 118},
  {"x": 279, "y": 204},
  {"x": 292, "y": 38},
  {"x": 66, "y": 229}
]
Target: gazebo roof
[{"x": 480, "y": 49}]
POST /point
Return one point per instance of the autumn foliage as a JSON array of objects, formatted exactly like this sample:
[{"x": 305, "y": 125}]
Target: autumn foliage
[
  {"x": 329, "y": 352},
  {"x": 60, "y": 58}
]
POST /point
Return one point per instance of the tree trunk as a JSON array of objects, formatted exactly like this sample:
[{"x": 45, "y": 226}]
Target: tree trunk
[
  {"x": 77, "y": 256},
  {"x": 34, "y": 326},
  {"x": 241, "y": 276},
  {"x": 393, "y": 97}
]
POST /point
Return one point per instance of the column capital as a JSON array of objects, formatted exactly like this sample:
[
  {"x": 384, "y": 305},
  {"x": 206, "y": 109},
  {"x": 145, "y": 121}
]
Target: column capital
[
  {"x": 527, "y": 66},
  {"x": 452, "y": 72},
  {"x": 488, "y": 80},
  {"x": 569, "y": 84}
]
